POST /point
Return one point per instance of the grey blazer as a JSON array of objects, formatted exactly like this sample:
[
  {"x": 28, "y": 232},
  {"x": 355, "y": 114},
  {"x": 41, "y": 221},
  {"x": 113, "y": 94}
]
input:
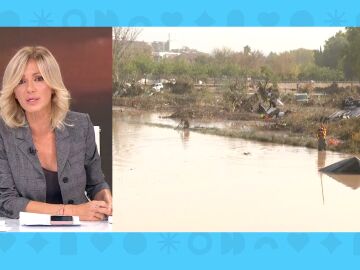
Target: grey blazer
[{"x": 22, "y": 178}]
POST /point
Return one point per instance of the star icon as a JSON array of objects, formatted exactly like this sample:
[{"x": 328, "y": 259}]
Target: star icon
[
  {"x": 168, "y": 242},
  {"x": 42, "y": 18},
  {"x": 335, "y": 18}
]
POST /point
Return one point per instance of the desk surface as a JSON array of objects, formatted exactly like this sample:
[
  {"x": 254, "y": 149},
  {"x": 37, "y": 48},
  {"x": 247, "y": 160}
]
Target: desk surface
[{"x": 12, "y": 225}]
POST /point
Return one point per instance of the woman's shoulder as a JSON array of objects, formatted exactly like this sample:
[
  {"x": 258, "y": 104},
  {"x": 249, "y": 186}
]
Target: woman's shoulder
[
  {"x": 4, "y": 128},
  {"x": 76, "y": 118},
  {"x": 2, "y": 122},
  {"x": 78, "y": 124}
]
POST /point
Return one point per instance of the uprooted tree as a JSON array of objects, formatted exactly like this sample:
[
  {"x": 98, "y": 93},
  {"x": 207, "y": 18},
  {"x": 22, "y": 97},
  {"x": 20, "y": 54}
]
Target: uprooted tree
[{"x": 234, "y": 96}]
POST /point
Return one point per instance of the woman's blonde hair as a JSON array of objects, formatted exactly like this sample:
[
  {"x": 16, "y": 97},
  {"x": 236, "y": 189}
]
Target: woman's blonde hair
[{"x": 10, "y": 109}]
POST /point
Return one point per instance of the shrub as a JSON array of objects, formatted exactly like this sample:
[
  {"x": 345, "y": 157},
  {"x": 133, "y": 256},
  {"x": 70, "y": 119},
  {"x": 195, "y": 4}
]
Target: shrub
[
  {"x": 182, "y": 86},
  {"x": 134, "y": 90}
]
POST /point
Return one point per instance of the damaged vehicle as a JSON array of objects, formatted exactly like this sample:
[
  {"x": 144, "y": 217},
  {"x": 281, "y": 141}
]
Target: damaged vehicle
[{"x": 351, "y": 109}]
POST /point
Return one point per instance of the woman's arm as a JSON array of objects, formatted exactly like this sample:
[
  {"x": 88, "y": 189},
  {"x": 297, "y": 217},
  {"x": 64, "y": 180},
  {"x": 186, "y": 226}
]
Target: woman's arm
[
  {"x": 105, "y": 196},
  {"x": 11, "y": 203},
  {"x": 95, "y": 181},
  {"x": 94, "y": 210}
]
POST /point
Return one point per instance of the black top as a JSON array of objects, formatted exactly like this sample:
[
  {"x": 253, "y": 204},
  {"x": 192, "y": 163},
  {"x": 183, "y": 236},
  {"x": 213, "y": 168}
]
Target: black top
[{"x": 53, "y": 192}]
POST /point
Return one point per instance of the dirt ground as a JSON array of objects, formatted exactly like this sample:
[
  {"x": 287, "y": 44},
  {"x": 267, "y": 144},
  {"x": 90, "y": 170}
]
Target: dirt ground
[{"x": 298, "y": 127}]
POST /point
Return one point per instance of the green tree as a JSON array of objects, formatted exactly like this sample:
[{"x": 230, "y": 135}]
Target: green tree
[
  {"x": 352, "y": 53},
  {"x": 314, "y": 72},
  {"x": 267, "y": 74},
  {"x": 144, "y": 65},
  {"x": 333, "y": 53},
  {"x": 198, "y": 71},
  {"x": 180, "y": 67},
  {"x": 214, "y": 71}
]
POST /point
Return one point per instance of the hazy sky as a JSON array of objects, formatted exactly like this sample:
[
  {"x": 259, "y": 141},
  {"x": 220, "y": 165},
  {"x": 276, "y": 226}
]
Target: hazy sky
[{"x": 265, "y": 39}]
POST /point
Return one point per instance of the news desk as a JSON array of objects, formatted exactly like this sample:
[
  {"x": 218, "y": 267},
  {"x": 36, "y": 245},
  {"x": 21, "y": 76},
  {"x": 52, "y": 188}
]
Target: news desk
[{"x": 12, "y": 225}]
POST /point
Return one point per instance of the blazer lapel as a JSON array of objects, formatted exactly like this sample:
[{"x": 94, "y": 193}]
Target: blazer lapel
[
  {"x": 25, "y": 144},
  {"x": 62, "y": 148}
]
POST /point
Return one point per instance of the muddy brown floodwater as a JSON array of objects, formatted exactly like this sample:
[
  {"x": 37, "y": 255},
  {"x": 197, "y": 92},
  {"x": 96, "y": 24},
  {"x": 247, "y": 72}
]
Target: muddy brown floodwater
[{"x": 171, "y": 180}]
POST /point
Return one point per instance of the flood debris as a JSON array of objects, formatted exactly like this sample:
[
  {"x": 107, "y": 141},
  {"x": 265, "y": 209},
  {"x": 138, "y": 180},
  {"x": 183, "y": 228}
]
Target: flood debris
[
  {"x": 273, "y": 111},
  {"x": 350, "y": 103},
  {"x": 345, "y": 114},
  {"x": 345, "y": 171},
  {"x": 183, "y": 124},
  {"x": 349, "y": 180},
  {"x": 350, "y": 109},
  {"x": 129, "y": 89},
  {"x": 346, "y": 166}
]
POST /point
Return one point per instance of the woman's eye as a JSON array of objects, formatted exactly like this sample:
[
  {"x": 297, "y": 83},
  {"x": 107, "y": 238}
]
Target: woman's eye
[
  {"x": 39, "y": 78},
  {"x": 21, "y": 81}
]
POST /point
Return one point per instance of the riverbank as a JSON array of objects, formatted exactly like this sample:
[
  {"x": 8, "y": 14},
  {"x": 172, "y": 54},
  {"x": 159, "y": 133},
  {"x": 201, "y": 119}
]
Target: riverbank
[
  {"x": 250, "y": 130},
  {"x": 297, "y": 128}
]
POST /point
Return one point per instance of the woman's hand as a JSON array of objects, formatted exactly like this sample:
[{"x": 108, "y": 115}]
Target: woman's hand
[
  {"x": 91, "y": 211},
  {"x": 105, "y": 195}
]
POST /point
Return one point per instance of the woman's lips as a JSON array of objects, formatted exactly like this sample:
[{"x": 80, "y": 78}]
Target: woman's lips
[{"x": 32, "y": 100}]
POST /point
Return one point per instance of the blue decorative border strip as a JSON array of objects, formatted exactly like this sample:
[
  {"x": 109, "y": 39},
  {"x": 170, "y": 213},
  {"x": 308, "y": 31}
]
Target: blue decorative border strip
[
  {"x": 182, "y": 250},
  {"x": 180, "y": 13}
]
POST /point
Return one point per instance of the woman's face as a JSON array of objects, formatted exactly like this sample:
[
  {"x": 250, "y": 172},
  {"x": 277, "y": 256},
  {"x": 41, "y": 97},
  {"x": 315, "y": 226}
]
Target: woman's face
[{"x": 32, "y": 92}]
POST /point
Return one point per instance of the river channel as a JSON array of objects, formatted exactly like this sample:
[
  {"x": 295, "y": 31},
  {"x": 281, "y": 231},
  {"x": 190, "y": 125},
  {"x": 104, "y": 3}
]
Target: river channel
[{"x": 173, "y": 180}]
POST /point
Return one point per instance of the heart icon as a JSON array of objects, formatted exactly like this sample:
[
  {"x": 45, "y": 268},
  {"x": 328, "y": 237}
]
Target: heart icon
[
  {"x": 7, "y": 240},
  {"x": 101, "y": 241},
  {"x": 298, "y": 240}
]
